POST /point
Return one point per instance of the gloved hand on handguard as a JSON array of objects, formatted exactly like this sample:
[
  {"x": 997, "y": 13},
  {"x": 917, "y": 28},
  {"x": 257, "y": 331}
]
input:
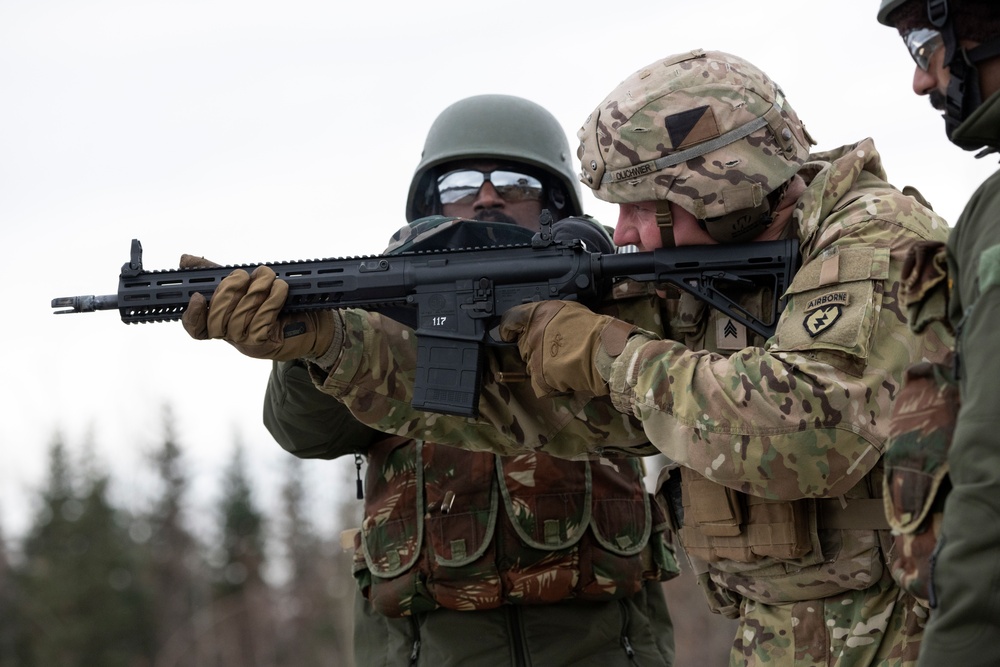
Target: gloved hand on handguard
[{"x": 246, "y": 312}]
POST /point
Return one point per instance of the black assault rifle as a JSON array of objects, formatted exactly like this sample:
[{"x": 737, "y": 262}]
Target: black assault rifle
[{"x": 454, "y": 297}]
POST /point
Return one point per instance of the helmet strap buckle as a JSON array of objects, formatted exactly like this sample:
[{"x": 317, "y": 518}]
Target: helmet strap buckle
[
  {"x": 665, "y": 221},
  {"x": 937, "y": 12}
]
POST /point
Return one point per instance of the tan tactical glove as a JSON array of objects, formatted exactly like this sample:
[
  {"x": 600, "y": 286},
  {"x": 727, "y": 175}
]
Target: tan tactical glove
[
  {"x": 195, "y": 262},
  {"x": 246, "y": 312},
  {"x": 560, "y": 342}
]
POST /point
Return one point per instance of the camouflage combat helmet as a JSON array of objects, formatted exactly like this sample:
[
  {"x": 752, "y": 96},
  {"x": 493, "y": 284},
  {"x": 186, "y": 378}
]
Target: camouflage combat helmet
[
  {"x": 707, "y": 131},
  {"x": 503, "y": 128},
  {"x": 949, "y": 22}
]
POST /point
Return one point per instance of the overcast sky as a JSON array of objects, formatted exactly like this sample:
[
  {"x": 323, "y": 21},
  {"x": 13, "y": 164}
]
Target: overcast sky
[{"x": 250, "y": 131}]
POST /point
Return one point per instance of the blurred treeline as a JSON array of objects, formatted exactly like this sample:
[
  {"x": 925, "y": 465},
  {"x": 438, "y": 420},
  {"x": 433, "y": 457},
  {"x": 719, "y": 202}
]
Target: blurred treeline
[
  {"x": 94, "y": 585},
  {"x": 91, "y": 584}
]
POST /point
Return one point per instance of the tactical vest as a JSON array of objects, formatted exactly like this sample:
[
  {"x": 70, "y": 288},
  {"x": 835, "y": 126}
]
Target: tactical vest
[
  {"x": 464, "y": 530},
  {"x": 773, "y": 551}
]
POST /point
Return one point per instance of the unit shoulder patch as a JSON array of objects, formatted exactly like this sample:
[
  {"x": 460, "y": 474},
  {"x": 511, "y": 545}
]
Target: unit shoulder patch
[{"x": 821, "y": 319}]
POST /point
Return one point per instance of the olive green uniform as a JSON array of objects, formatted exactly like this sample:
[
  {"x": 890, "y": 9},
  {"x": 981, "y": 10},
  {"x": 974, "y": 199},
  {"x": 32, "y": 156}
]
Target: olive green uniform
[{"x": 965, "y": 586}]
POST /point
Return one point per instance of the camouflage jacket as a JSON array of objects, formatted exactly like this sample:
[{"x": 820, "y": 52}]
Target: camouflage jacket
[{"x": 805, "y": 415}]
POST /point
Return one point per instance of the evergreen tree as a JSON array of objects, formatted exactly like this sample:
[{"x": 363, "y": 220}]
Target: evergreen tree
[
  {"x": 243, "y": 538},
  {"x": 174, "y": 568},
  {"x": 79, "y": 590},
  {"x": 8, "y": 610},
  {"x": 317, "y": 627},
  {"x": 243, "y": 613}
]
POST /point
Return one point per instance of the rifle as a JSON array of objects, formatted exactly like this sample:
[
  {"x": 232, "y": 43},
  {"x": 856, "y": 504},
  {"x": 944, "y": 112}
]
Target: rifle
[{"x": 453, "y": 297}]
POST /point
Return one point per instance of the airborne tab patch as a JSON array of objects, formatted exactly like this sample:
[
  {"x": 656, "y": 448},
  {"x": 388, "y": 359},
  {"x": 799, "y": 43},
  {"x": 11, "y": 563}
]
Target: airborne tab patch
[
  {"x": 831, "y": 298},
  {"x": 691, "y": 127}
]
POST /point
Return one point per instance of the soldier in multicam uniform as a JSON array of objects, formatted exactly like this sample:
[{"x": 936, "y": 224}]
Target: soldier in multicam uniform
[
  {"x": 777, "y": 442},
  {"x": 951, "y": 548},
  {"x": 467, "y": 558}
]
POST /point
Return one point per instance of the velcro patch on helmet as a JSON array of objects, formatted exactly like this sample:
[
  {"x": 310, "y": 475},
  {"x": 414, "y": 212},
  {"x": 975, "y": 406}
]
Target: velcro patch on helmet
[{"x": 690, "y": 127}]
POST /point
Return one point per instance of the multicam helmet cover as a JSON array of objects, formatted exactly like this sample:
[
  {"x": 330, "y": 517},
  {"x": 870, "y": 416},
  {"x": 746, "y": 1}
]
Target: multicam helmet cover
[{"x": 706, "y": 130}]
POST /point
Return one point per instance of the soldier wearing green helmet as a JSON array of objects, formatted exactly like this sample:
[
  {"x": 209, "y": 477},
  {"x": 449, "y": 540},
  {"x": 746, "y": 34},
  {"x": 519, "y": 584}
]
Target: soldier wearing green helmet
[
  {"x": 961, "y": 38},
  {"x": 468, "y": 558},
  {"x": 503, "y": 128},
  {"x": 945, "y": 477}
]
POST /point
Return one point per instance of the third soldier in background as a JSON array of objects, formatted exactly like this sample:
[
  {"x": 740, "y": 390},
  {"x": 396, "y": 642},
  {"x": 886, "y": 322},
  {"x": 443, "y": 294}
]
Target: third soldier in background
[
  {"x": 467, "y": 558},
  {"x": 952, "y": 559}
]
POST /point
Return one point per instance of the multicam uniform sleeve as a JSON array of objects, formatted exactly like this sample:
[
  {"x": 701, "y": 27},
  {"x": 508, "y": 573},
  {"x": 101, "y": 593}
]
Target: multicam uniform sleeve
[
  {"x": 806, "y": 415},
  {"x": 374, "y": 378}
]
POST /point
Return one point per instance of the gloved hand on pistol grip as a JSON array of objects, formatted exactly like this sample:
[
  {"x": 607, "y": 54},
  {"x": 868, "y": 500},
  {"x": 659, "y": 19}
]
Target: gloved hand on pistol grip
[
  {"x": 245, "y": 311},
  {"x": 560, "y": 342}
]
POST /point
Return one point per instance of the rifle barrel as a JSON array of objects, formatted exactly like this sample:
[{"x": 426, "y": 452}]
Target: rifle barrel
[{"x": 85, "y": 304}]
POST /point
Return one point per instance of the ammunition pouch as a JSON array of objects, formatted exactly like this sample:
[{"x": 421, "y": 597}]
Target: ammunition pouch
[
  {"x": 467, "y": 531},
  {"x": 721, "y": 523},
  {"x": 773, "y": 551}
]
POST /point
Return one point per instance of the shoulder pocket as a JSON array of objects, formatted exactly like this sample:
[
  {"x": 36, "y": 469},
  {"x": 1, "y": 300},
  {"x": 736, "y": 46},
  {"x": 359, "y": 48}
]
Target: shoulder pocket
[
  {"x": 989, "y": 268},
  {"x": 833, "y": 304}
]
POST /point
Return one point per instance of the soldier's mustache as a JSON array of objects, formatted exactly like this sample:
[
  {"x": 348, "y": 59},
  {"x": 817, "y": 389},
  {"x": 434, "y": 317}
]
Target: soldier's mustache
[{"x": 494, "y": 215}]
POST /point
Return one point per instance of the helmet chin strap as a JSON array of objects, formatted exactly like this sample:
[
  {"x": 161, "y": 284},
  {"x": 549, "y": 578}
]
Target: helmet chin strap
[
  {"x": 739, "y": 226},
  {"x": 748, "y": 223},
  {"x": 665, "y": 221},
  {"x": 743, "y": 225}
]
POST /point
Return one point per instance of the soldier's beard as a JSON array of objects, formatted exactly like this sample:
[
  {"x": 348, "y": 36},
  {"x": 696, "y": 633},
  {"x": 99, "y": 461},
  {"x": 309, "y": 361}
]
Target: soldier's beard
[
  {"x": 937, "y": 100},
  {"x": 494, "y": 215}
]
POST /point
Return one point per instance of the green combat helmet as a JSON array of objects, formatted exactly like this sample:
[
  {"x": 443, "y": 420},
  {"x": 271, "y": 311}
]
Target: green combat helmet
[
  {"x": 886, "y": 7},
  {"x": 707, "y": 131},
  {"x": 502, "y": 128}
]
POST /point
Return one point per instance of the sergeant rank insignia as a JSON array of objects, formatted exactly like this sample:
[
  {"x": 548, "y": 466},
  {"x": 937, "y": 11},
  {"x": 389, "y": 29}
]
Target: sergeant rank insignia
[
  {"x": 730, "y": 334},
  {"x": 823, "y": 311}
]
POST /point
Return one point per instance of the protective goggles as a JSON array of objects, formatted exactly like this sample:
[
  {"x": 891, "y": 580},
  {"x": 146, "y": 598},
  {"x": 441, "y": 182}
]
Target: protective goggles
[
  {"x": 922, "y": 43},
  {"x": 462, "y": 186}
]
